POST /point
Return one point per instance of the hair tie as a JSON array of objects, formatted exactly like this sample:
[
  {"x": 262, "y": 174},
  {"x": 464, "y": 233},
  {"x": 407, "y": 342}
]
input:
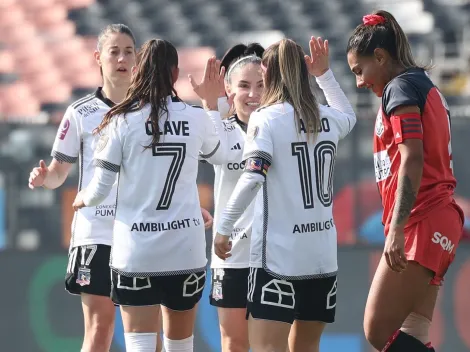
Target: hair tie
[
  {"x": 373, "y": 20},
  {"x": 232, "y": 66}
]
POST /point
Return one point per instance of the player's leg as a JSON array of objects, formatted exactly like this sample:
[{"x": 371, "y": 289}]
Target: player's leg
[
  {"x": 315, "y": 306},
  {"x": 418, "y": 322},
  {"x": 180, "y": 296},
  {"x": 228, "y": 294},
  {"x": 99, "y": 314},
  {"x": 160, "y": 336},
  {"x": 271, "y": 309},
  {"x": 139, "y": 299},
  {"x": 233, "y": 329},
  {"x": 430, "y": 248},
  {"x": 392, "y": 297},
  {"x": 88, "y": 275}
]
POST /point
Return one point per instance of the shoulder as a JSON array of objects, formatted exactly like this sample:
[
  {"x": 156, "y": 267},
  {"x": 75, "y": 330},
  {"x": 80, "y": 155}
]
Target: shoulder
[
  {"x": 82, "y": 101},
  {"x": 409, "y": 88}
]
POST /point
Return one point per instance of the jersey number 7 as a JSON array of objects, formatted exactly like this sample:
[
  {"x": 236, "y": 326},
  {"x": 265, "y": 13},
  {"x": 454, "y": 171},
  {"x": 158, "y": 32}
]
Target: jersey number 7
[
  {"x": 178, "y": 153},
  {"x": 324, "y": 158}
]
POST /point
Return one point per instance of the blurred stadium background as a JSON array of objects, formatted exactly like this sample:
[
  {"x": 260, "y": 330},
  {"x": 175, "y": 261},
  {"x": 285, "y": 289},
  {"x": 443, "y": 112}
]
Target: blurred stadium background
[{"x": 46, "y": 62}]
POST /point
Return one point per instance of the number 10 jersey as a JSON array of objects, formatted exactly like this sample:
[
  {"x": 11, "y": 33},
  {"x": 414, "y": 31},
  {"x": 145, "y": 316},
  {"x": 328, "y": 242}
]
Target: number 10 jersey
[{"x": 293, "y": 232}]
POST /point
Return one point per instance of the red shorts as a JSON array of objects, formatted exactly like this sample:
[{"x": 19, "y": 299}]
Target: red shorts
[{"x": 432, "y": 242}]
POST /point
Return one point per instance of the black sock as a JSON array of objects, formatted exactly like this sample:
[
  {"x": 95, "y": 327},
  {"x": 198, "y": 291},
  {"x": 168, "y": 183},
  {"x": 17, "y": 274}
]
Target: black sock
[{"x": 402, "y": 342}]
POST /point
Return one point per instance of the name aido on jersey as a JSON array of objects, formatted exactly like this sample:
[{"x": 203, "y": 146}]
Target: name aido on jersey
[
  {"x": 324, "y": 126},
  {"x": 314, "y": 226},
  {"x": 164, "y": 226}
]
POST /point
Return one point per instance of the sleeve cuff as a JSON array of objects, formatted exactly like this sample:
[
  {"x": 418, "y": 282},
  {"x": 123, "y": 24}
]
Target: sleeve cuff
[{"x": 326, "y": 76}]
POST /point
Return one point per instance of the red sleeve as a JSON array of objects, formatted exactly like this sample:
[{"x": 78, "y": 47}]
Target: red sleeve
[{"x": 406, "y": 126}]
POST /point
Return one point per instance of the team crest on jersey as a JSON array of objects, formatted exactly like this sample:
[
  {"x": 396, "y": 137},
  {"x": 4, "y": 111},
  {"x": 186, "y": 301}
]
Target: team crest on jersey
[
  {"x": 252, "y": 132},
  {"x": 84, "y": 277},
  {"x": 379, "y": 124},
  {"x": 217, "y": 291},
  {"x": 102, "y": 143},
  {"x": 65, "y": 128}
]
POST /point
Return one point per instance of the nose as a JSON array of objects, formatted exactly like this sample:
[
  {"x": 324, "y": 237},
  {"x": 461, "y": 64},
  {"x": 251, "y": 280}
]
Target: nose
[
  {"x": 360, "y": 82},
  {"x": 121, "y": 58}
]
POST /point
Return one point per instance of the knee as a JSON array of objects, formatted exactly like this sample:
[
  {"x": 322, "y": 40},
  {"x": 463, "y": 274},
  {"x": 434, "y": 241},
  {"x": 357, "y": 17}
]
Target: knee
[
  {"x": 376, "y": 333},
  {"x": 100, "y": 327},
  {"x": 235, "y": 343}
]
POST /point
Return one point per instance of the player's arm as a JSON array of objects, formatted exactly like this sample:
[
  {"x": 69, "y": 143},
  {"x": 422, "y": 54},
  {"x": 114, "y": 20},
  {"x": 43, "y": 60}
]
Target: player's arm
[
  {"x": 107, "y": 162},
  {"x": 216, "y": 146},
  {"x": 258, "y": 157},
  {"x": 406, "y": 122},
  {"x": 64, "y": 152},
  {"x": 318, "y": 66},
  {"x": 403, "y": 104}
]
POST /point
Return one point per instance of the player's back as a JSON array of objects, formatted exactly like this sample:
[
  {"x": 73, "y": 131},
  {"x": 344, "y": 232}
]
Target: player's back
[
  {"x": 297, "y": 237},
  {"x": 158, "y": 213}
]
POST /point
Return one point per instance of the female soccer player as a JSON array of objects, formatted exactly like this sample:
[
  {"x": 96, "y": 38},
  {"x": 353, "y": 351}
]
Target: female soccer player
[
  {"x": 88, "y": 269},
  {"x": 289, "y": 153},
  {"x": 413, "y": 170},
  {"x": 153, "y": 140},
  {"x": 244, "y": 84}
]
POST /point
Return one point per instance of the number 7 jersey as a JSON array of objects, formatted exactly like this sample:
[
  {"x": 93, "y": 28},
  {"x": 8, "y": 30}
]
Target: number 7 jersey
[
  {"x": 293, "y": 232},
  {"x": 158, "y": 229}
]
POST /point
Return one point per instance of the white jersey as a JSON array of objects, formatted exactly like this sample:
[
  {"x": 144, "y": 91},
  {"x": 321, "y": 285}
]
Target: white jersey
[
  {"x": 158, "y": 229},
  {"x": 225, "y": 180},
  {"x": 294, "y": 235},
  {"x": 75, "y": 140}
]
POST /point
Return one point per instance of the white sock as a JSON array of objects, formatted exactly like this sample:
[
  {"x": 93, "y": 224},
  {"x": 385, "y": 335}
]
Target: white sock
[
  {"x": 140, "y": 341},
  {"x": 185, "y": 345}
]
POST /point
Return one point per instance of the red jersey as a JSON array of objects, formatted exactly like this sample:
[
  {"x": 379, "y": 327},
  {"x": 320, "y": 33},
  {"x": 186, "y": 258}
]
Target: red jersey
[{"x": 414, "y": 88}]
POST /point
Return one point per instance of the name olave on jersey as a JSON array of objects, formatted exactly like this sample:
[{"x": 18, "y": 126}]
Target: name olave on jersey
[
  {"x": 314, "y": 226},
  {"x": 165, "y": 226}
]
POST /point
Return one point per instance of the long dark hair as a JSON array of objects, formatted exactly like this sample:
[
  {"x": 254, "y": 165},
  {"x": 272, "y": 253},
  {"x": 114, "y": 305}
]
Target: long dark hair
[
  {"x": 384, "y": 33},
  {"x": 151, "y": 84}
]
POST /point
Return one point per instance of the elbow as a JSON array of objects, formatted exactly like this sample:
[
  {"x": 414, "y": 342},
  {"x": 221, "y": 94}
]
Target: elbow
[{"x": 413, "y": 163}]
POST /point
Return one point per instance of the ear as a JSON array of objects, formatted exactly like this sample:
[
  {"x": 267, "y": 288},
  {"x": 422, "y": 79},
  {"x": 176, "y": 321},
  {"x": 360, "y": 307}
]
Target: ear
[
  {"x": 228, "y": 89},
  {"x": 175, "y": 72},
  {"x": 97, "y": 56},
  {"x": 381, "y": 56}
]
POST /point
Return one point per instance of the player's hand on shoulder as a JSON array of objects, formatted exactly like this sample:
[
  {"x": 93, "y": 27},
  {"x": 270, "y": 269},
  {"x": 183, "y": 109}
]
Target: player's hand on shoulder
[
  {"x": 318, "y": 61},
  {"x": 222, "y": 246},
  {"x": 38, "y": 175},
  {"x": 78, "y": 202},
  {"x": 209, "y": 89}
]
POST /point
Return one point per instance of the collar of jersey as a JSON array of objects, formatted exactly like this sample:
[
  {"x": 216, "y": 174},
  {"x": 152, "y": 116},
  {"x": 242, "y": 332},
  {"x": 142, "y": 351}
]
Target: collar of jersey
[
  {"x": 100, "y": 96},
  {"x": 240, "y": 123}
]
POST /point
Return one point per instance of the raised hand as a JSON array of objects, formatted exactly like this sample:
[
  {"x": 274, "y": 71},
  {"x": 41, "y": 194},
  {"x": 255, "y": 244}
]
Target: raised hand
[
  {"x": 209, "y": 88},
  {"x": 318, "y": 61}
]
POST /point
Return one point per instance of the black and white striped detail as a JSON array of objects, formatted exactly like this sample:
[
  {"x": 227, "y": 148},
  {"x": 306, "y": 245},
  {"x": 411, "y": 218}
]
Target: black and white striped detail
[
  {"x": 260, "y": 154},
  {"x": 300, "y": 150},
  {"x": 83, "y": 100},
  {"x": 207, "y": 156},
  {"x": 161, "y": 273},
  {"x": 264, "y": 244},
  {"x": 106, "y": 165},
  {"x": 61, "y": 157}
]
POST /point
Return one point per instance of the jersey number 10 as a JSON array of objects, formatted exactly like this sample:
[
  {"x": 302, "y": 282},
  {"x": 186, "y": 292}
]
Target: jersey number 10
[{"x": 324, "y": 159}]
